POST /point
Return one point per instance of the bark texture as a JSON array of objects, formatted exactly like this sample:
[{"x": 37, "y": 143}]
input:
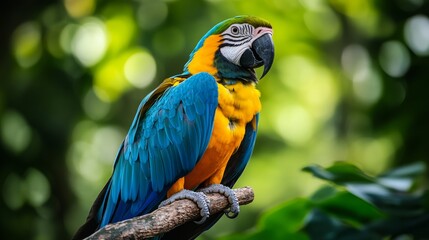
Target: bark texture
[{"x": 167, "y": 218}]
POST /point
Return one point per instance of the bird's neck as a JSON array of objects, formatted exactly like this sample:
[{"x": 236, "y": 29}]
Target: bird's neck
[
  {"x": 229, "y": 71},
  {"x": 202, "y": 59}
]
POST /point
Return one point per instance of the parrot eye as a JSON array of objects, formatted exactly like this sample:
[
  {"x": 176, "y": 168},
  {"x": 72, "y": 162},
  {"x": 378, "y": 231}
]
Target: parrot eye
[{"x": 234, "y": 30}]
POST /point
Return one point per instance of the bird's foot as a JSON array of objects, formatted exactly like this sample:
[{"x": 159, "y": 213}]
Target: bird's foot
[
  {"x": 197, "y": 197},
  {"x": 234, "y": 208}
]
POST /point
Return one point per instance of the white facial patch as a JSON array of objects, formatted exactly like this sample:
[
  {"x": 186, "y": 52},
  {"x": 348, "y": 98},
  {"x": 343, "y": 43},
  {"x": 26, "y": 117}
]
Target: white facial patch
[
  {"x": 237, "y": 38},
  {"x": 233, "y": 54}
]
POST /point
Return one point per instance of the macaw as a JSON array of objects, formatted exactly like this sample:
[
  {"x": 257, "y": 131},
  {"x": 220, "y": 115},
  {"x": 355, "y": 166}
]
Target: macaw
[{"x": 193, "y": 134}]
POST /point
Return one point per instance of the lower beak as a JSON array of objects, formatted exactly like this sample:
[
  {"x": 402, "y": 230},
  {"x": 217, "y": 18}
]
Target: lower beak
[{"x": 260, "y": 53}]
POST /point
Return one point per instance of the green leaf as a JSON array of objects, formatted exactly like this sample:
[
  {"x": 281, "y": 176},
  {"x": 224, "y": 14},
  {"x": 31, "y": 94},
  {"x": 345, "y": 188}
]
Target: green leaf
[
  {"x": 340, "y": 173},
  {"x": 345, "y": 205},
  {"x": 409, "y": 171},
  {"x": 402, "y": 178},
  {"x": 382, "y": 206},
  {"x": 282, "y": 222},
  {"x": 322, "y": 226},
  {"x": 267, "y": 234},
  {"x": 391, "y": 202},
  {"x": 289, "y": 216}
]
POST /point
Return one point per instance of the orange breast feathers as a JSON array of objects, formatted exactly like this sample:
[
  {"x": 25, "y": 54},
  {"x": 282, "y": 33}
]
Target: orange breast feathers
[{"x": 238, "y": 104}]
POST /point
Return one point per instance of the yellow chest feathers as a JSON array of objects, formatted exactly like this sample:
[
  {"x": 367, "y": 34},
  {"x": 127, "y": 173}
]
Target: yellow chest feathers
[{"x": 238, "y": 104}]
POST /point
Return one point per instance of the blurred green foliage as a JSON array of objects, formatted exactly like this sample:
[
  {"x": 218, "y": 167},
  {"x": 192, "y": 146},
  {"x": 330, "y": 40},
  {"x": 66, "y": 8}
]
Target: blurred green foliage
[
  {"x": 393, "y": 205},
  {"x": 349, "y": 83}
]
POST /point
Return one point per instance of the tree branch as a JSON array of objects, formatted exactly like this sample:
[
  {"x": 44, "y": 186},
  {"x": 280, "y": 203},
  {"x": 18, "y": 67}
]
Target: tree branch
[{"x": 167, "y": 218}]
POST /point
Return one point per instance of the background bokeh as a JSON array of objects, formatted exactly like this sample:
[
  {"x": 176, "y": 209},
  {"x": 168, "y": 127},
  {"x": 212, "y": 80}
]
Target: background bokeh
[{"x": 349, "y": 82}]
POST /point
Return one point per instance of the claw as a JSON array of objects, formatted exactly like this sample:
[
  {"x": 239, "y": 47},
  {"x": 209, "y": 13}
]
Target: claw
[
  {"x": 234, "y": 208},
  {"x": 197, "y": 197}
]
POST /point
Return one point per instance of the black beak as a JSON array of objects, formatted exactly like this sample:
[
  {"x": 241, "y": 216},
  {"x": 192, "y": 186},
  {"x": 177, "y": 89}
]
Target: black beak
[{"x": 261, "y": 53}]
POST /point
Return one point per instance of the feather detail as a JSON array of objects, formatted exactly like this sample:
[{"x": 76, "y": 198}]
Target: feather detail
[{"x": 168, "y": 136}]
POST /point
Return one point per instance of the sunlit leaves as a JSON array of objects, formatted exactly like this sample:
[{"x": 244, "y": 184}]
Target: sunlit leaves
[
  {"x": 89, "y": 43},
  {"x": 33, "y": 188},
  {"x": 394, "y": 58},
  {"x": 14, "y": 131},
  {"x": 94, "y": 147},
  {"x": 13, "y": 191},
  {"x": 135, "y": 67},
  {"x": 79, "y": 8},
  {"x": 151, "y": 14},
  {"x": 362, "y": 14},
  {"x": 295, "y": 124},
  {"x": 26, "y": 41},
  {"x": 417, "y": 34},
  {"x": 366, "y": 81},
  {"x": 317, "y": 19},
  {"x": 121, "y": 29},
  {"x": 140, "y": 69},
  {"x": 38, "y": 187},
  {"x": 308, "y": 101},
  {"x": 94, "y": 107},
  {"x": 163, "y": 44}
]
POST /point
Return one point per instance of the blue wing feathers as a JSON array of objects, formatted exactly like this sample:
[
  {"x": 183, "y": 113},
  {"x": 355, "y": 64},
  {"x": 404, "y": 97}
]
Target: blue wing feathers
[
  {"x": 156, "y": 170},
  {"x": 190, "y": 113},
  {"x": 125, "y": 185},
  {"x": 172, "y": 132},
  {"x": 162, "y": 145},
  {"x": 114, "y": 191},
  {"x": 163, "y": 139},
  {"x": 134, "y": 179}
]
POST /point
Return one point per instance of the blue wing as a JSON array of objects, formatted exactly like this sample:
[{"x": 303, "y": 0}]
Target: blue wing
[
  {"x": 167, "y": 138},
  {"x": 234, "y": 169}
]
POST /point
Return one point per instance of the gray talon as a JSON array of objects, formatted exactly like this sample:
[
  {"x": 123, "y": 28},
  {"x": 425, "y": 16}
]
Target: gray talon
[
  {"x": 197, "y": 197},
  {"x": 231, "y": 214},
  {"x": 234, "y": 208}
]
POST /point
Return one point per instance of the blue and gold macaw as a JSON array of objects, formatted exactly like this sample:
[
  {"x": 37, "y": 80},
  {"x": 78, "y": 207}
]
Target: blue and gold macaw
[{"x": 195, "y": 131}]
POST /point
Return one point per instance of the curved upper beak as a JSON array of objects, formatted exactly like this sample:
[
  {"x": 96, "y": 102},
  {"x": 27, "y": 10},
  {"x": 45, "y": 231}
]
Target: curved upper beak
[
  {"x": 261, "y": 52},
  {"x": 264, "y": 49}
]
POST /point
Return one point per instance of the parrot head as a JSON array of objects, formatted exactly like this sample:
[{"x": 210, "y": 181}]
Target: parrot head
[{"x": 233, "y": 48}]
